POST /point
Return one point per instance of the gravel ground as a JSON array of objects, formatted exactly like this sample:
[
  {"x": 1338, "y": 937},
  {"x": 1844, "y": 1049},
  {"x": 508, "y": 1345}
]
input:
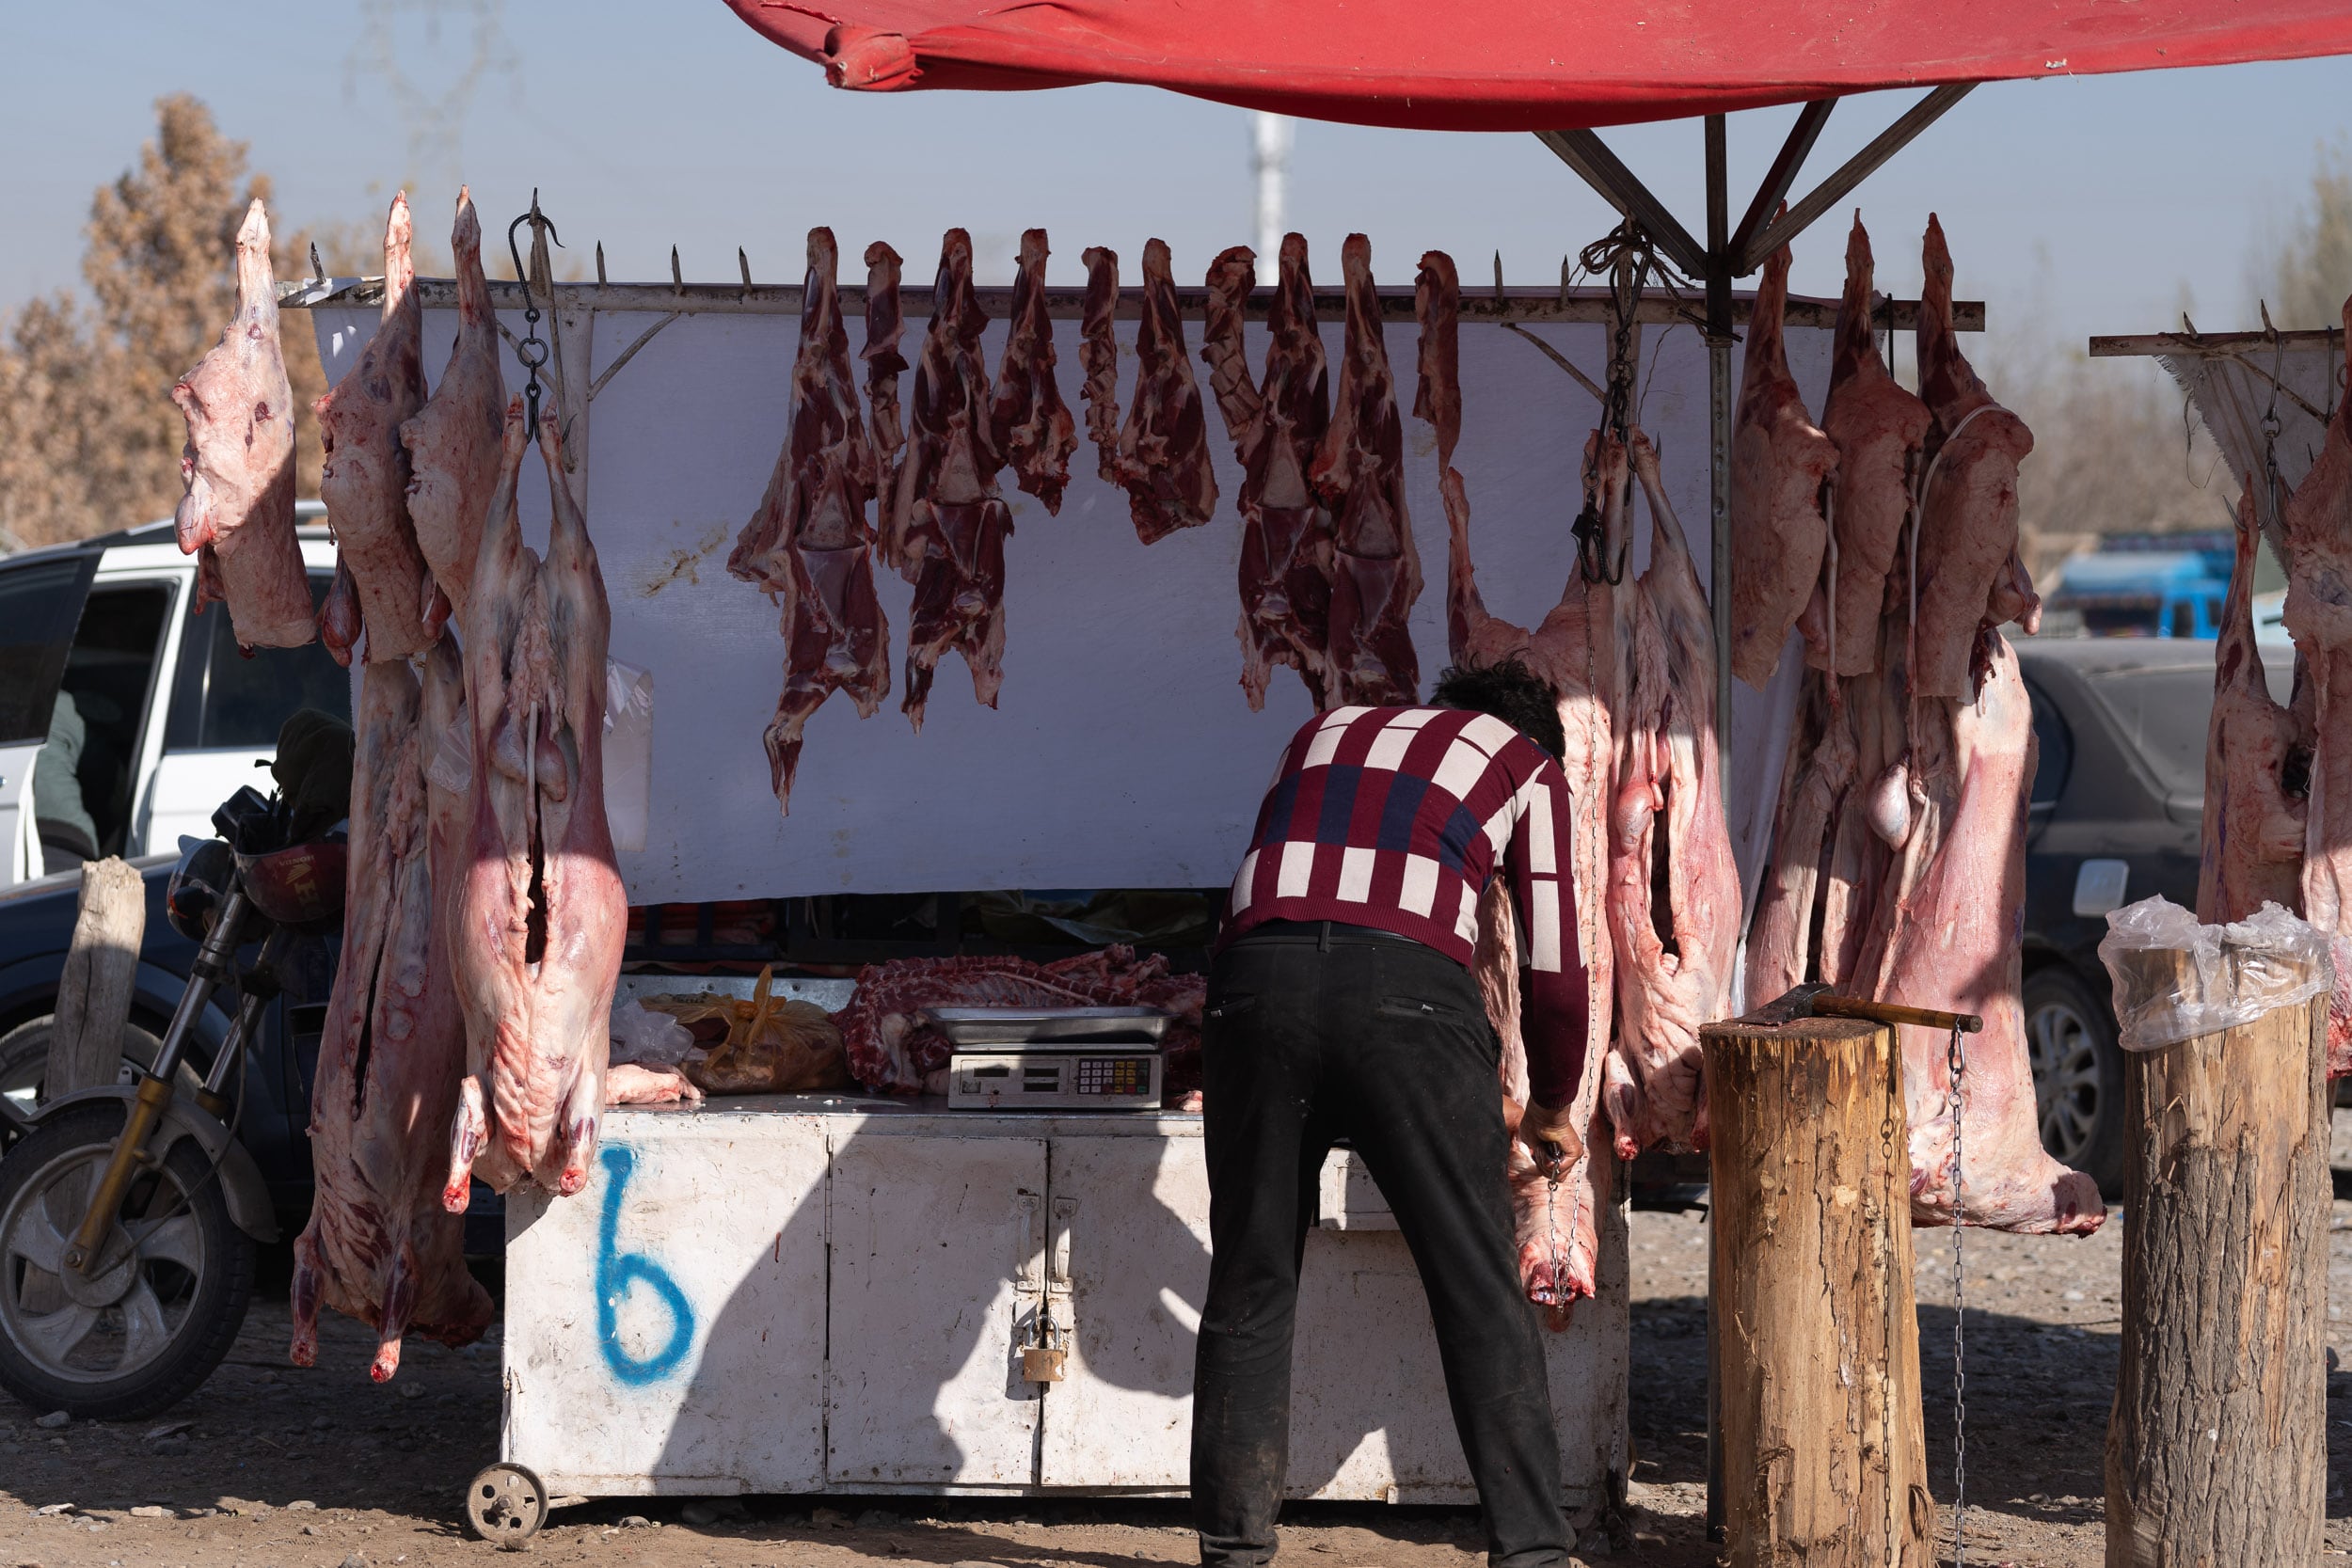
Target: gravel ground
[{"x": 269, "y": 1466}]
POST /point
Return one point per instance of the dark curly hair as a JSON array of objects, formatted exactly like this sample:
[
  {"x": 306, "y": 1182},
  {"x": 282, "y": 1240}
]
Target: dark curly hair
[{"x": 1513, "y": 693}]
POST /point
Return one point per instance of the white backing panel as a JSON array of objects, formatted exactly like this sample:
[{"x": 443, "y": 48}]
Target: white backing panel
[
  {"x": 2233, "y": 398},
  {"x": 1122, "y": 752}
]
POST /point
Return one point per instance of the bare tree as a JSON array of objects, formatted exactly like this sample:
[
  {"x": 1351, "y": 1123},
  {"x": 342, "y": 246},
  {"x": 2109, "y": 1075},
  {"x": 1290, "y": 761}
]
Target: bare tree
[
  {"x": 2310, "y": 271},
  {"x": 2115, "y": 451},
  {"x": 89, "y": 438}
]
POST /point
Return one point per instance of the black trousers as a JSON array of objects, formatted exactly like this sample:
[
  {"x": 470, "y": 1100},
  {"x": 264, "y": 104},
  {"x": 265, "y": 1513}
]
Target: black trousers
[{"x": 1316, "y": 1033}]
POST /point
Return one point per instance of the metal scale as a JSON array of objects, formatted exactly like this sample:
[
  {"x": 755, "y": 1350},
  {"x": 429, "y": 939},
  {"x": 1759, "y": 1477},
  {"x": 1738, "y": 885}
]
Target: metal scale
[{"x": 1052, "y": 1058}]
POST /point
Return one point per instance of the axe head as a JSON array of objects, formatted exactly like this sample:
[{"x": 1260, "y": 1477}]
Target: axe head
[{"x": 1796, "y": 1003}]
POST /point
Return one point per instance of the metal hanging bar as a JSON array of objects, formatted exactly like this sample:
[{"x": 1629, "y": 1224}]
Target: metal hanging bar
[{"x": 1519, "y": 302}]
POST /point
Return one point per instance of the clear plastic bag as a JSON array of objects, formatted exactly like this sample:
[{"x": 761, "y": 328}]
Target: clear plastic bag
[
  {"x": 2175, "y": 979},
  {"x": 627, "y": 753},
  {"x": 646, "y": 1038}
]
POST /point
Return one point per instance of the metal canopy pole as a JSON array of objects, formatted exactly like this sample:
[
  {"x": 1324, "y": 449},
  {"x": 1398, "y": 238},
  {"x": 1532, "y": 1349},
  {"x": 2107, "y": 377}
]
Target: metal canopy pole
[
  {"x": 1783, "y": 174},
  {"x": 1586, "y": 153},
  {"x": 1719, "y": 340},
  {"x": 1850, "y": 174}
]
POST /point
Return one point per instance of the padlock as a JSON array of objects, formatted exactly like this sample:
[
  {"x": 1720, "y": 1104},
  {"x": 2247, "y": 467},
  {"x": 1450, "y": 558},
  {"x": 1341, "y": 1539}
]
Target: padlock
[{"x": 1043, "y": 1362}]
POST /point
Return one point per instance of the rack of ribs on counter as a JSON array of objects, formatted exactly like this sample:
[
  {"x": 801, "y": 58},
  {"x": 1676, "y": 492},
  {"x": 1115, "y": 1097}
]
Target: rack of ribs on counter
[
  {"x": 1358, "y": 473},
  {"x": 539, "y": 917},
  {"x": 1276, "y": 426},
  {"x": 238, "y": 515},
  {"x": 364, "y": 478},
  {"x": 947, "y": 522},
  {"x": 893, "y": 1047},
  {"x": 809, "y": 547}
]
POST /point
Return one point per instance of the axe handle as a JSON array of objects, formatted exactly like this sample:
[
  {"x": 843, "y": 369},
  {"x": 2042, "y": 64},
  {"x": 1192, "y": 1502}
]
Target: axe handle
[{"x": 1894, "y": 1012}]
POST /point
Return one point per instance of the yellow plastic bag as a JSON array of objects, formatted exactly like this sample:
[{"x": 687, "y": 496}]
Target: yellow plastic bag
[{"x": 774, "y": 1045}]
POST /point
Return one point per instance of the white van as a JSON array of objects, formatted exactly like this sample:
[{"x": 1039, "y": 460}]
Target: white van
[{"x": 174, "y": 718}]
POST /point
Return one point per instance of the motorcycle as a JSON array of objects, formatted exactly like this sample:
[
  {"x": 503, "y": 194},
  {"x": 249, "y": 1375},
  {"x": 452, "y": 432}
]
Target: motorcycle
[{"x": 130, "y": 1212}]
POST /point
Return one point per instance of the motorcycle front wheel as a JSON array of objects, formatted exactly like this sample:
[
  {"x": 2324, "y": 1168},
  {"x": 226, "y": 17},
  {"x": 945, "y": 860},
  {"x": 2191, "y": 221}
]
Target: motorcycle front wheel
[{"x": 143, "y": 1328}]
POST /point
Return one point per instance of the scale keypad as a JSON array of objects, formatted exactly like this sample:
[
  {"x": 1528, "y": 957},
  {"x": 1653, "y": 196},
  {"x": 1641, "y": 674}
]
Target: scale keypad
[{"x": 1113, "y": 1075}]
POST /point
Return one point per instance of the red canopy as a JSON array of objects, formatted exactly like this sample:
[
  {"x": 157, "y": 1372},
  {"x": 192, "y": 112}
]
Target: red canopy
[{"x": 1509, "y": 65}]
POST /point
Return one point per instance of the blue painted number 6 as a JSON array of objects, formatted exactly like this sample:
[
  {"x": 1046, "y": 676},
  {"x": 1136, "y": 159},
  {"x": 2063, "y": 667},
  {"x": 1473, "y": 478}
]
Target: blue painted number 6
[{"x": 617, "y": 1270}]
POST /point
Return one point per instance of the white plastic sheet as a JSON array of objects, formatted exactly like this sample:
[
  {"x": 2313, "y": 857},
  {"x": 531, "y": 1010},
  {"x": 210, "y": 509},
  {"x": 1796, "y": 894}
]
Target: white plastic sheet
[
  {"x": 1123, "y": 754},
  {"x": 648, "y": 1038},
  {"x": 2232, "y": 974}
]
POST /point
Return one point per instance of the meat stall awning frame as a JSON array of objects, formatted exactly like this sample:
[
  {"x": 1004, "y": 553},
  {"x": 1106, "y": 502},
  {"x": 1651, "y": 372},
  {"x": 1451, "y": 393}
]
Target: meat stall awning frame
[
  {"x": 1558, "y": 70},
  {"x": 1508, "y": 65}
]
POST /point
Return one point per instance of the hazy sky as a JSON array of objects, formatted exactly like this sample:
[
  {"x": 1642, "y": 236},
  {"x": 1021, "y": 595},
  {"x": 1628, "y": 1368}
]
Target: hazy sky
[{"x": 2094, "y": 204}]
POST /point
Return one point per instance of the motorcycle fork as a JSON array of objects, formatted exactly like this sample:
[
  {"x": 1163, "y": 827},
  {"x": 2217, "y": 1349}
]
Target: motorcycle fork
[{"x": 211, "y": 966}]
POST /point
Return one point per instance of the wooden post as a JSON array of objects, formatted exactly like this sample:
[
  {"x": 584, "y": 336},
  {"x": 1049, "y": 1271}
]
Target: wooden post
[
  {"x": 94, "y": 993},
  {"x": 1824, "y": 1457},
  {"x": 2216, "y": 1450}
]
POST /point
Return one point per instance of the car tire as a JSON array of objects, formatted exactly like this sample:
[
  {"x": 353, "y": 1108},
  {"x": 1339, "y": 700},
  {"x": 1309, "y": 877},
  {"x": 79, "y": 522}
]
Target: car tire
[{"x": 2078, "y": 1075}]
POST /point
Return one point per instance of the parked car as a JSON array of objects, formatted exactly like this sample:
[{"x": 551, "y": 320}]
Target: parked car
[
  {"x": 171, "y": 717},
  {"x": 2117, "y": 816}
]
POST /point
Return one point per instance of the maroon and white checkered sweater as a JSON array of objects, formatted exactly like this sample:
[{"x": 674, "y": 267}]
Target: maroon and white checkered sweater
[{"x": 1396, "y": 818}]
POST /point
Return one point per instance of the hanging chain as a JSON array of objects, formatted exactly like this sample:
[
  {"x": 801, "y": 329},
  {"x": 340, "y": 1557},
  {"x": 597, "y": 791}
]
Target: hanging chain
[
  {"x": 2271, "y": 426},
  {"x": 1627, "y": 258},
  {"x": 1956, "y": 1062},
  {"x": 531, "y": 351},
  {"x": 1894, "y": 1177}
]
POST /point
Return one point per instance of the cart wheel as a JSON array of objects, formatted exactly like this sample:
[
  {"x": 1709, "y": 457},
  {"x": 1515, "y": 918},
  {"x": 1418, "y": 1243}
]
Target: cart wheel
[{"x": 507, "y": 1505}]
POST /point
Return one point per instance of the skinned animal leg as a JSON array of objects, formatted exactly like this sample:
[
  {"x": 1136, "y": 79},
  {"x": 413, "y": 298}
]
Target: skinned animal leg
[
  {"x": 400, "y": 1304},
  {"x": 579, "y": 1135},
  {"x": 1622, "y": 1095},
  {"x": 468, "y": 1137},
  {"x": 304, "y": 1299}
]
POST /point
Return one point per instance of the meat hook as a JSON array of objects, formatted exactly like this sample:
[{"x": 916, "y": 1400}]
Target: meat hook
[{"x": 532, "y": 350}]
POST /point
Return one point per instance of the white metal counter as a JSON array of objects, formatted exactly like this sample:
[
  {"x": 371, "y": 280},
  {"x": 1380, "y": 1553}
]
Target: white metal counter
[{"x": 830, "y": 1293}]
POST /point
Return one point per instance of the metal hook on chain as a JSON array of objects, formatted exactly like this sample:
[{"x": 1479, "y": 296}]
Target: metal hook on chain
[
  {"x": 1897, "y": 1178},
  {"x": 1626, "y": 256},
  {"x": 1955, "y": 1064},
  {"x": 531, "y": 351}
]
